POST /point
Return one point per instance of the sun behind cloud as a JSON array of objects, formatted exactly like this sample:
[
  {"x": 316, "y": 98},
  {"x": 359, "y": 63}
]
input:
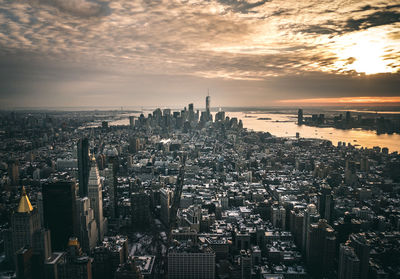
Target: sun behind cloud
[{"x": 365, "y": 52}]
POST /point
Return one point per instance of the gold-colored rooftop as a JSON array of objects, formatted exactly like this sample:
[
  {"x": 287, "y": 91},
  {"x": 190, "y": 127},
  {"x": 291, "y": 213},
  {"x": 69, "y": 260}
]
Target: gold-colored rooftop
[{"x": 25, "y": 205}]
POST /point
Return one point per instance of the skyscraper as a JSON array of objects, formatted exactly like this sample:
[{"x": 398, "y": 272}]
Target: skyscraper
[
  {"x": 30, "y": 242},
  {"x": 321, "y": 246},
  {"x": 88, "y": 232},
  {"x": 131, "y": 121},
  {"x": 83, "y": 166},
  {"x": 362, "y": 248},
  {"x": 191, "y": 262},
  {"x": 349, "y": 264},
  {"x": 300, "y": 117},
  {"x": 208, "y": 113},
  {"x": 25, "y": 222},
  {"x": 59, "y": 212},
  {"x": 96, "y": 197},
  {"x": 310, "y": 216}
]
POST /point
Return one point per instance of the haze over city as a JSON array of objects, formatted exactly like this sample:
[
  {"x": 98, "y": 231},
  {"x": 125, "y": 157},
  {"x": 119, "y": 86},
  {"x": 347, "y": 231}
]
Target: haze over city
[{"x": 77, "y": 53}]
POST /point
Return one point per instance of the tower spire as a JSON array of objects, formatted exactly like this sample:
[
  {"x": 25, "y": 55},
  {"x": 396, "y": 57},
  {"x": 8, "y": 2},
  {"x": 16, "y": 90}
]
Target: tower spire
[{"x": 25, "y": 205}]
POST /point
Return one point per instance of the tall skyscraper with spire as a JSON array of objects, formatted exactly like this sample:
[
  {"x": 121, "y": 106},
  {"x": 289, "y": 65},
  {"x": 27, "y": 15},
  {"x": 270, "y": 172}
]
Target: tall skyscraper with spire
[
  {"x": 96, "y": 197},
  {"x": 208, "y": 99}
]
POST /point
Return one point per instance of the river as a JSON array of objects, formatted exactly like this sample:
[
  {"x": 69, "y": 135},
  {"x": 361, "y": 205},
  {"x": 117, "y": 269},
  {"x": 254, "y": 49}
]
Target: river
[{"x": 284, "y": 125}]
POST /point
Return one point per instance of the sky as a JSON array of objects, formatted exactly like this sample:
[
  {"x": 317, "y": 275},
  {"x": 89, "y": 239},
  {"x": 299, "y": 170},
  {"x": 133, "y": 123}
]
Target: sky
[{"x": 71, "y": 53}]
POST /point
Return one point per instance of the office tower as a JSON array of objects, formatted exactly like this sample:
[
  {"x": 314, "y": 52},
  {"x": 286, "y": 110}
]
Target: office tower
[
  {"x": 109, "y": 255},
  {"x": 131, "y": 121},
  {"x": 191, "y": 113},
  {"x": 321, "y": 246},
  {"x": 134, "y": 145},
  {"x": 279, "y": 217},
  {"x": 191, "y": 262},
  {"x": 362, "y": 249},
  {"x": 208, "y": 104},
  {"x": 300, "y": 117},
  {"x": 77, "y": 264},
  {"x": 29, "y": 241},
  {"x": 83, "y": 166},
  {"x": 40, "y": 207},
  {"x": 310, "y": 216},
  {"x": 59, "y": 212},
  {"x": 325, "y": 202},
  {"x": 245, "y": 264},
  {"x": 25, "y": 222},
  {"x": 349, "y": 264},
  {"x": 88, "y": 231},
  {"x": 140, "y": 204},
  {"x": 165, "y": 200},
  {"x": 13, "y": 172},
  {"x": 348, "y": 117},
  {"x": 24, "y": 263},
  {"x": 54, "y": 266},
  {"x": 96, "y": 198}
]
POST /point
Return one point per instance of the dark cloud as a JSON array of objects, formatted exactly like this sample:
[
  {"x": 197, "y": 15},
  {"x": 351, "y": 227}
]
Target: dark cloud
[
  {"x": 318, "y": 29},
  {"x": 82, "y": 8},
  {"x": 372, "y": 20},
  {"x": 242, "y": 6}
]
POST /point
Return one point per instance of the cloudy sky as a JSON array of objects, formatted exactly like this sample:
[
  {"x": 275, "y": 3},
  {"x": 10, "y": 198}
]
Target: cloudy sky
[{"x": 251, "y": 52}]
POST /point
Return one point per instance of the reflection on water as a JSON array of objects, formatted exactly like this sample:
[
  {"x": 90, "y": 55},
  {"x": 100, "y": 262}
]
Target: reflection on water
[{"x": 284, "y": 125}]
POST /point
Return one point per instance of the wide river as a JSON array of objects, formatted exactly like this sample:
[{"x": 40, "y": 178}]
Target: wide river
[{"x": 284, "y": 125}]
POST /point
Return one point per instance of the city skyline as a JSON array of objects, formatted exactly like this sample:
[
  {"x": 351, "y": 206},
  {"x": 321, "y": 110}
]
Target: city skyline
[{"x": 249, "y": 53}]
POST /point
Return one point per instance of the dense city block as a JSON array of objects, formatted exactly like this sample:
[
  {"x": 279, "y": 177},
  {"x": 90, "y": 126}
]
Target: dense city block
[{"x": 191, "y": 194}]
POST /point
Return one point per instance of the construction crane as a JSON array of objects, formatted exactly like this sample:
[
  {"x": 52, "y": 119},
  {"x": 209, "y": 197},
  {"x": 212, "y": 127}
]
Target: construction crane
[{"x": 176, "y": 198}]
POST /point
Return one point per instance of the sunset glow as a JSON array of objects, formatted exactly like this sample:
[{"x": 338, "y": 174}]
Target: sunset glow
[
  {"x": 344, "y": 101},
  {"x": 365, "y": 52}
]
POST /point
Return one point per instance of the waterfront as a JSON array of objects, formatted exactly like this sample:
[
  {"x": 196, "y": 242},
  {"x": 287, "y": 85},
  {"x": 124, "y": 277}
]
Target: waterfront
[{"x": 284, "y": 125}]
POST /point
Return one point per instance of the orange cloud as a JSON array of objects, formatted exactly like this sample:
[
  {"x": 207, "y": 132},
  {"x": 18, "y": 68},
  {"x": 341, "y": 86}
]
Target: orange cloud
[{"x": 344, "y": 100}]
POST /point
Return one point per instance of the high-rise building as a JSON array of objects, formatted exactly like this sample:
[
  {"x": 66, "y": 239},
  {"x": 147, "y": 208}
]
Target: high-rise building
[
  {"x": 349, "y": 264},
  {"x": 88, "y": 231},
  {"x": 310, "y": 216},
  {"x": 321, "y": 246},
  {"x": 83, "y": 166},
  {"x": 140, "y": 204},
  {"x": 191, "y": 113},
  {"x": 348, "y": 117},
  {"x": 300, "y": 117},
  {"x": 13, "y": 172},
  {"x": 362, "y": 249},
  {"x": 30, "y": 243},
  {"x": 279, "y": 217},
  {"x": 24, "y": 263},
  {"x": 325, "y": 203},
  {"x": 131, "y": 121},
  {"x": 245, "y": 264},
  {"x": 165, "y": 200},
  {"x": 77, "y": 264},
  {"x": 208, "y": 111},
  {"x": 25, "y": 222},
  {"x": 96, "y": 197},
  {"x": 109, "y": 255},
  {"x": 191, "y": 262},
  {"x": 59, "y": 212}
]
